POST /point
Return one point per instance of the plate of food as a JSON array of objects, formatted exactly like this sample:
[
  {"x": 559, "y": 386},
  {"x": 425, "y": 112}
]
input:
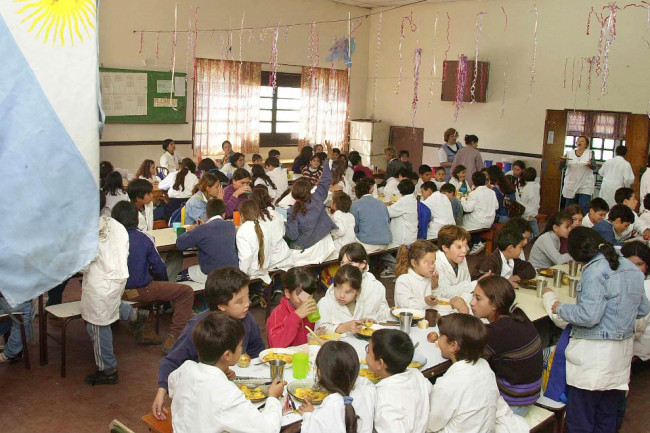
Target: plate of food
[
  {"x": 418, "y": 361},
  {"x": 417, "y": 314},
  {"x": 527, "y": 284},
  {"x": 371, "y": 376},
  {"x": 306, "y": 389},
  {"x": 546, "y": 272},
  {"x": 255, "y": 389},
  {"x": 282, "y": 353},
  {"x": 367, "y": 330}
]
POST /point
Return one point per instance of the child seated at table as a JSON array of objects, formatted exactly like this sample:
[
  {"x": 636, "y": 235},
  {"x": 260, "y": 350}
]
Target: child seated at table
[
  {"x": 257, "y": 159},
  {"x": 627, "y": 197},
  {"x": 342, "y": 310},
  {"x": 314, "y": 170},
  {"x": 546, "y": 249},
  {"x": 404, "y": 215},
  {"x": 416, "y": 275},
  {"x": 215, "y": 240},
  {"x": 391, "y": 190},
  {"x": 619, "y": 218},
  {"x": 424, "y": 175},
  {"x": 238, "y": 190},
  {"x": 372, "y": 222},
  {"x": 454, "y": 278},
  {"x": 208, "y": 187},
  {"x": 645, "y": 213},
  {"x": 226, "y": 290},
  {"x": 203, "y": 397},
  {"x": 402, "y": 403},
  {"x": 598, "y": 209},
  {"x": 260, "y": 177},
  {"x": 114, "y": 191},
  {"x": 235, "y": 162},
  {"x": 522, "y": 226},
  {"x": 141, "y": 195},
  {"x": 286, "y": 325},
  {"x": 466, "y": 398},
  {"x": 180, "y": 185},
  {"x": 458, "y": 179},
  {"x": 480, "y": 206},
  {"x": 505, "y": 260},
  {"x": 350, "y": 405},
  {"x": 344, "y": 233},
  {"x": 442, "y": 213},
  {"x": 439, "y": 177},
  {"x": 639, "y": 253},
  {"x": 449, "y": 191},
  {"x": 147, "y": 280},
  {"x": 278, "y": 175}
]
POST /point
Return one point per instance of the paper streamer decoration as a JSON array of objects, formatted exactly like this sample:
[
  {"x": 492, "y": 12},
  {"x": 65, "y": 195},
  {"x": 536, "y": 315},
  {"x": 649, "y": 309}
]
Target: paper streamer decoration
[
  {"x": 196, "y": 40},
  {"x": 505, "y": 27},
  {"x": 479, "y": 28},
  {"x": 433, "y": 65},
  {"x": 566, "y": 60},
  {"x": 461, "y": 82},
  {"x": 141, "y": 41},
  {"x": 273, "y": 61},
  {"x": 312, "y": 54},
  {"x": 413, "y": 27},
  {"x": 374, "y": 84},
  {"x": 444, "y": 61},
  {"x": 505, "y": 83},
  {"x": 533, "y": 63},
  {"x": 417, "y": 60},
  {"x": 157, "y": 46},
  {"x": 171, "y": 91}
]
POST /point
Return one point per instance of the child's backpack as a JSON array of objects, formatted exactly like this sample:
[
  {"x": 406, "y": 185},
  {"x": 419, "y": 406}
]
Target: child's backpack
[
  {"x": 178, "y": 216},
  {"x": 424, "y": 216}
]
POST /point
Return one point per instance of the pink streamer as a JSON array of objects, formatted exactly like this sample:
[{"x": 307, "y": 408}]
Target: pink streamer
[
  {"x": 414, "y": 27},
  {"x": 566, "y": 60},
  {"x": 174, "y": 35},
  {"x": 461, "y": 83},
  {"x": 374, "y": 84},
  {"x": 433, "y": 64},
  {"x": 479, "y": 28},
  {"x": 505, "y": 82},
  {"x": 313, "y": 54},
  {"x": 534, "y": 62},
  {"x": 273, "y": 62},
  {"x": 506, "y": 16},
  {"x": 196, "y": 36},
  {"x": 417, "y": 60},
  {"x": 444, "y": 61},
  {"x": 141, "y": 41},
  {"x": 157, "y": 45}
]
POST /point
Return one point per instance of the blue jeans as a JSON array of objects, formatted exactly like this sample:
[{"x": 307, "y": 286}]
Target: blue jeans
[
  {"x": 592, "y": 411},
  {"x": 15, "y": 343},
  {"x": 102, "y": 338},
  {"x": 535, "y": 227},
  {"x": 580, "y": 199}
]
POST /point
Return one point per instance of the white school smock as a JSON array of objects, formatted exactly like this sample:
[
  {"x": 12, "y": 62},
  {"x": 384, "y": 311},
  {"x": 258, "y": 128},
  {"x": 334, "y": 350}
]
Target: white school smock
[
  {"x": 617, "y": 173},
  {"x": 229, "y": 168},
  {"x": 154, "y": 178},
  {"x": 145, "y": 218},
  {"x": 530, "y": 198},
  {"x": 411, "y": 289},
  {"x": 344, "y": 233},
  {"x": 464, "y": 400},
  {"x": 578, "y": 179},
  {"x": 548, "y": 299},
  {"x": 105, "y": 277},
  {"x": 641, "y": 346},
  {"x": 442, "y": 213},
  {"x": 170, "y": 162},
  {"x": 279, "y": 177},
  {"x": 403, "y": 221},
  {"x": 273, "y": 192},
  {"x": 599, "y": 365},
  {"x": 112, "y": 200},
  {"x": 438, "y": 184},
  {"x": 644, "y": 188},
  {"x": 373, "y": 296},
  {"x": 402, "y": 403},
  {"x": 586, "y": 222},
  {"x": 332, "y": 314},
  {"x": 450, "y": 284},
  {"x": 248, "y": 249},
  {"x": 390, "y": 190},
  {"x": 204, "y": 400},
  {"x": 189, "y": 183},
  {"x": 329, "y": 416},
  {"x": 481, "y": 205}
]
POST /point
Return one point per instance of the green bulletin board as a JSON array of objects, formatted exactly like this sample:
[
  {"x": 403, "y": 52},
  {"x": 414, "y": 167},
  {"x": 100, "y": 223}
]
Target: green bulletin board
[{"x": 123, "y": 92}]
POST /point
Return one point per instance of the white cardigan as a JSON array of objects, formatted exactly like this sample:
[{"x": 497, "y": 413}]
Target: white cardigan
[
  {"x": 332, "y": 314},
  {"x": 373, "y": 296},
  {"x": 404, "y": 221},
  {"x": 481, "y": 205},
  {"x": 189, "y": 183},
  {"x": 450, "y": 284},
  {"x": 411, "y": 289},
  {"x": 442, "y": 213},
  {"x": 402, "y": 403}
]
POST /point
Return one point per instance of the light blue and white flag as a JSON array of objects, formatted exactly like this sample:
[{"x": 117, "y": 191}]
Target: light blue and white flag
[{"x": 49, "y": 143}]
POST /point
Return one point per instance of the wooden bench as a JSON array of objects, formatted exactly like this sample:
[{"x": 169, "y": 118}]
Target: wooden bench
[
  {"x": 539, "y": 419},
  {"x": 156, "y": 426}
]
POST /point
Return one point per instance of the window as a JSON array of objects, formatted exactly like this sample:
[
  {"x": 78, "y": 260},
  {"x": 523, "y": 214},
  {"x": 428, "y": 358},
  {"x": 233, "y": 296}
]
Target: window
[
  {"x": 603, "y": 148},
  {"x": 280, "y": 110}
]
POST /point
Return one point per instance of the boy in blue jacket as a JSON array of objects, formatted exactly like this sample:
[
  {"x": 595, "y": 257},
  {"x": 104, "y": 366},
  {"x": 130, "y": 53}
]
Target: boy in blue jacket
[{"x": 618, "y": 220}]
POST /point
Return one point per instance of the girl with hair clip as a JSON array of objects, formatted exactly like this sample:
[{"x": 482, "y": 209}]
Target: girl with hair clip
[
  {"x": 350, "y": 406},
  {"x": 147, "y": 171},
  {"x": 207, "y": 188},
  {"x": 261, "y": 178},
  {"x": 459, "y": 179},
  {"x": 611, "y": 297},
  {"x": 180, "y": 184},
  {"x": 416, "y": 275},
  {"x": 514, "y": 348},
  {"x": 545, "y": 252},
  {"x": 502, "y": 188},
  {"x": 114, "y": 191},
  {"x": 238, "y": 191},
  {"x": 308, "y": 223},
  {"x": 639, "y": 254}
]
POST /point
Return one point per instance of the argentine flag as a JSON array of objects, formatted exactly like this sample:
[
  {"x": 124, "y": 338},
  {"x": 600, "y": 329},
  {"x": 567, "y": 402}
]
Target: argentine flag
[{"x": 49, "y": 143}]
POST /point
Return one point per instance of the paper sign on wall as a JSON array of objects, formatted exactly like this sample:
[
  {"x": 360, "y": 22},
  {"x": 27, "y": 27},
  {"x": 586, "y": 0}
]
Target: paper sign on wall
[{"x": 165, "y": 103}]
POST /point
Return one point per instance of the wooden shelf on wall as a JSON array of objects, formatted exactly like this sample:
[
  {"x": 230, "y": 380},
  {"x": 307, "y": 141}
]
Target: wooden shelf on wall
[{"x": 449, "y": 85}]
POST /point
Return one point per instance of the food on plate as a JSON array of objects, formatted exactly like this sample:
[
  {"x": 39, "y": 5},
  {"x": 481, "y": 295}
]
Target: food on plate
[
  {"x": 311, "y": 394},
  {"x": 415, "y": 364},
  {"x": 271, "y": 356},
  {"x": 244, "y": 361},
  {"x": 330, "y": 336},
  {"x": 367, "y": 323},
  {"x": 423, "y": 324},
  {"x": 374, "y": 377},
  {"x": 415, "y": 316},
  {"x": 252, "y": 394},
  {"x": 366, "y": 331},
  {"x": 443, "y": 302},
  {"x": 432, "y": 337}
]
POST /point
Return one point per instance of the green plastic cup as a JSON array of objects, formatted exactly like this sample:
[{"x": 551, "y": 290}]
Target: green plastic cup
[
  {"x": 314, "y": 317},
  {"x": 300, "y": 362}
]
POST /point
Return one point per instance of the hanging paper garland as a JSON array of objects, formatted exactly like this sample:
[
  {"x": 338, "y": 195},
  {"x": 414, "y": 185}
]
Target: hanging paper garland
[
  {"x": 417, "y": 60},
  {"x": 566, "y": 60},
  {"x": 505, "y": 27},
  {"x": 461, "y": 83},
  {"x": 433, "y": 65},
  {"x": 273, "y": 61},
  {"x": 414, "y": 27},
  {"x": 479, "y": 28},
  {"x": 141, "y": 41},
  {"x": 157, "y": 45},
  {"x": 374, "y": 84},
  {"x": 171, "y": 91},
  {"x": 505, "y": 84},
  {"x": 196, "y": 37},
  {"x": 444, "y": 62},
  {"x": 533, "y": 64},
  {"x": 313, "y": 54},
  {"x": 341, "y": 49}
]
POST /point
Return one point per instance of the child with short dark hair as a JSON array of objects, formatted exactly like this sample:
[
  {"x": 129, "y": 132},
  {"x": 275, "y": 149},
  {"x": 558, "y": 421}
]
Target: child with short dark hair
[
  {"x": 505, "y": 260},
  {"x": 458, "y": 180},
  {"x": 257, "y": 158},
  {"x": 204, "y": 399},
  {"x": 439, "y": 177},
  {"x": 355, "y": 160},
  {"x": 440, "y": 206},
  {"x": 141, "y": 195},
  {"x": 344, "y": 233},
  {"x": 424, "y": 174},
  {"x": 454, "y": 278},
  {"x": 404, "y": 158},
  {"x": 645, "y": 213},
  {"x": 598, "y": 209},
  {"x": 372, "y": 222},
  {"x": 391, "y": 192},
  {"x": 620, "y": 217},
  {"x": 404, "y": 215},
  {"x": 481, "y": 206},
  {"x": 449, "y": 191},
  {"x": 627, "y": 197},
  {"x": 273, "y": 153},
  {"x": 403, "y": 393}
]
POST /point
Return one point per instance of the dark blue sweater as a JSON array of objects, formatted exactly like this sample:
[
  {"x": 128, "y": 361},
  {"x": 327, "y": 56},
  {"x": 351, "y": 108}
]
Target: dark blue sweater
[
  {"x": 216, "y": 243},
  {"x": 184, "y": 348},
  {"x": 606, "y": 230},
  {"x": 144, "y": 261},
  {"x": 372, "y": 222}
]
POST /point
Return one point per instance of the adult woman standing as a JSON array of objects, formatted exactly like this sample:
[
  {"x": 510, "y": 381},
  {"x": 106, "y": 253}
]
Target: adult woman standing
[
  {"x": 447, "y": 151},
  {"x": 579, "y": 177},
  {"x": 470, "y": 157}
]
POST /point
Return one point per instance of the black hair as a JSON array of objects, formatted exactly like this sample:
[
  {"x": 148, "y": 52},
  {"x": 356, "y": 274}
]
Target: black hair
[
  {"x": 215, "y": 334},
  {"x": 272, "y": 161},
  {"x": 336, "y": 150},
  {"x": 363, "y": 187},
  {"x": 557, "y": 219},
  {"x": 430, "y": 185},
  {"x": 598, "y": 204},
  {"x": 394, "y": 347},
  {"x": 354, "y": 158},
  {"x": 406, "y": 187},
  {"x": 403, "y": 172},
  {"x": 138, "y": 188},
  {"x": 424, "y": 169},
  {"x": 126, "y": 214},
  {"x": 259, "y": 173},
  {"x": 114, "y": 183},
  {"x": 215, "y": 207},
  {"x": 638, "y": 249},
  {"x": 349, "y": 274},
  {"x": 235, "y": 157},
  {"x": 448, "y": 188},
  {"x": 222, "y": 285},
  {"x": 274, "y": 153},
  {"x": 306, "y": 152},
  {"x": 256, "y": 156},
  {"x": 621, "y": 150},
  {"x": 621, "y": 211},
  {"x": 478, "y": 178},
  {"x": 102, "y": 200},
  {"x": 343, "y": 201},
  {"x": 240, "y": 173},
  {"x": 584, "y": 243},
  {"x": 519, "y": 163},
  {"x": 358, "y": 175},
  {"x": 646, "y": 201},
  {"x": 508, "y": 236},
  {"x": 404, "y": 152},
  {"x": 300, "y": 277},
  {"x": 499, "y": 179},
  {"x": 105, "y": 167},
  {"x": 166, "y": 143},
  {"x": 355, "y": 252},
  {"x": 530, "y": 174},
  {"x": 321, "y": 155},
  {"x": 457, "y": 170},
  {"x": 623, "y": 194},
  {"x": 519, "y": 224},
  {"x": 207, "y": 164},
  {"x": 466, "y": 330},
  {"x": 471, "y": 138}
]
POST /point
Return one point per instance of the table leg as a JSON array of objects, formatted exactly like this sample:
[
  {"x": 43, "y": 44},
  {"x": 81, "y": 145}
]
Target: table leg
[{"x": 42, "y": 332}]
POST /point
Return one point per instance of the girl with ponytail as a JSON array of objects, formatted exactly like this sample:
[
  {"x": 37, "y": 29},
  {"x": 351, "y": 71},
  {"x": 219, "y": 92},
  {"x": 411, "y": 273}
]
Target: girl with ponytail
[
  {"x": 416, "y": 275},
  {"x": 180, "y": 184},
  {"x": 350, "y": 406},
  {"x": 610, "y": 298},
  {"x": 207, "y": 188}
]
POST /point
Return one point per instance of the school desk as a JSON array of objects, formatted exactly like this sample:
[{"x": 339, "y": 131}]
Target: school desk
[{"x": 533, "y": 306}]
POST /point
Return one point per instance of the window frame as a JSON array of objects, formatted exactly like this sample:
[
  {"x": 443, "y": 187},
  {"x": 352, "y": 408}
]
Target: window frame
[{"x": 279, "y": 139}]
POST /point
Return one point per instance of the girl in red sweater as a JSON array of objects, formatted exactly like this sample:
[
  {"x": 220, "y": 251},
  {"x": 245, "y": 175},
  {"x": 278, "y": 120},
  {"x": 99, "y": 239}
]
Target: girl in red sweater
[{"x": 286, "y": 325}]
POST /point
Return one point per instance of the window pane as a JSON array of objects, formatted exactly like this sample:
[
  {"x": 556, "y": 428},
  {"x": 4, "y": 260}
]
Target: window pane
[
  {"x": 568, "y": 140},
  {"x": 287, "y": 127},
  {"x": 289, "y": 104},
  {"x": 596, "y": 143},
  {"x": 622, "y": 143},
  {"x": 266, "y": 91},
  {"x": 598, "y": 154},
  {"x": 609, "y": 144},
  {"x": 266, "y": 103},
  {"x": 266, "y": 115},
  {"x": 607, "y": 154},
  {"x": 289, "y": 92},
  {"x": 288, "y": 116},
  {"x": 265, "y": 127}
]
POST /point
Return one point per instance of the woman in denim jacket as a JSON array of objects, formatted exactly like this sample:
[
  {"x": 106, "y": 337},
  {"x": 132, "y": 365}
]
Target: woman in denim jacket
[{"x": 611, "y": 297}]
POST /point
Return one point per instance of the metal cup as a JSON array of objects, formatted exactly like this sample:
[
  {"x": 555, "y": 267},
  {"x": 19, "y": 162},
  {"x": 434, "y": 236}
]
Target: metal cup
[
  {"x": 405, "y": 320},
  {"x": 541, "y": 285},
  {"x": 573, "y": 288},
  {"x": 557, "y": 278},
  {"x": 277, "y": 369},
  {"x": 573, "y": 268},
  {"x": 431, "y": 316}
]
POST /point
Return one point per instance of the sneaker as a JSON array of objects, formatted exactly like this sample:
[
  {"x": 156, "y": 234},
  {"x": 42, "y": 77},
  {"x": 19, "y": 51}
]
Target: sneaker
[
  {"x": 148, "y": 337},
  {"x": 104, "y": 377},
  {"x": 255, "y": 300},
  {"x": 276, "y": 297},
  {"x": 4, "y": 359},
  {"x": 137, "y": 321},
  {"x": 477, "y": 248},
  {"x": 169, "y": 343},
  {"x": 387, "y": 273}
]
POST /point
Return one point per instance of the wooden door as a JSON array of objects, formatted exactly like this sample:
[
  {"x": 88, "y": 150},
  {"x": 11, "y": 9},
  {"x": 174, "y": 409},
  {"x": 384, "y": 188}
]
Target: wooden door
[
  {"x": 551, "y": 176},
  {"x": 411, "y": 139},
  {"x": 636, "y": 141}
]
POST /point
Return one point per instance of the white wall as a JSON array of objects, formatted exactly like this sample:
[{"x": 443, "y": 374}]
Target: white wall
[
  {"x": 561, "y": 34},
  {"x": 119, "y": 47}
]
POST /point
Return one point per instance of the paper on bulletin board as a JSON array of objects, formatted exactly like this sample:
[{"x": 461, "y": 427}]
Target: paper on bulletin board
[
  {"x": 179, "y": 86},
  {"x": 163, "y": 86},
  {"x": 124, "y": 93},
  {"x": 165, "y": 102}
]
